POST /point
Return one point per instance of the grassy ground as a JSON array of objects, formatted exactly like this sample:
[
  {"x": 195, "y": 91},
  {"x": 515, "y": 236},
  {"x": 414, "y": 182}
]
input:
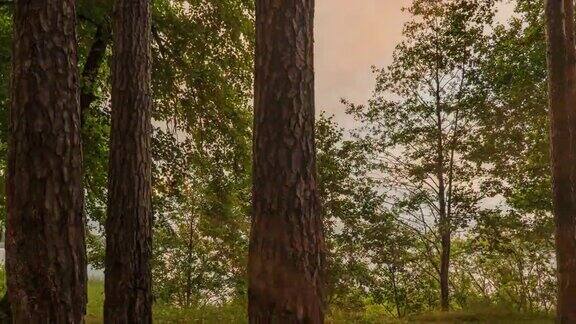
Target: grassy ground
[
  {"x": 235, "y": 313},
  {"x": 480, "y": 315},
  {"x": 230, "y": 313},
  {"x": 483, "y": 316}
]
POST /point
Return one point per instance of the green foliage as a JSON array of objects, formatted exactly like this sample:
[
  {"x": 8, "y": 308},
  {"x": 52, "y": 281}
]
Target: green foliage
[
  {"x": 479, "y": 88},
  {"x": 513, "y": 123},
  {"x": 202, "y": 76},
  {"x": 482, "y": 82}
]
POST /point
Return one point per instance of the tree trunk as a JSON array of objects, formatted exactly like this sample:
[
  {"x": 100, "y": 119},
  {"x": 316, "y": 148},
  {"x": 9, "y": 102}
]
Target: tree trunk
[
  {"x": 561, "y": 98},
  {"x": 89, "y": 74},
  {"x": 45, "y": 248},
  {"x": 445, "y": 268},
  {"x": 128, "y": 296},
  {"x": 286, "y": 246},
  {"x": 444, "y": 217},
  {"x": 445, "y": 234}
]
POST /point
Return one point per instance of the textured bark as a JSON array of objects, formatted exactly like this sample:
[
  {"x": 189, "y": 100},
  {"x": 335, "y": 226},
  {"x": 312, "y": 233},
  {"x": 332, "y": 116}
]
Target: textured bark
[
  {"x": 128, "y": 296},
  {"x": 286, "y": 245},
  {"x": 561, "y": 60},
  {"x": 45, "y": 249}
]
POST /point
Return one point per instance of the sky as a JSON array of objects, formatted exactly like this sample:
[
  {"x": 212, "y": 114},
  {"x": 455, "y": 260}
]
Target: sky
[{"x": 351, "y": 36}]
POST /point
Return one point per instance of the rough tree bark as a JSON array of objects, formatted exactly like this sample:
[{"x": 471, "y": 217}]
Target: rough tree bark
[
  {"x": 128, "y": 296},
  {"x": 45, "y": 248},
  {"x": 286, "y": 245},
  {"x": 561, "y": 66}
]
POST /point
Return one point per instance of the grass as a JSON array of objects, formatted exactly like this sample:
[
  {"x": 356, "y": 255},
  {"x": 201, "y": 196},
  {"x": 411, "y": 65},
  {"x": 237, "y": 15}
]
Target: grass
[
  {"x": 235, "y": 313},
  {"x": 485, "y": 315},
  {"x": 95, "y": 302},
  {"x": 475, "y": 314},
  {"x": 232, "y": 313}
]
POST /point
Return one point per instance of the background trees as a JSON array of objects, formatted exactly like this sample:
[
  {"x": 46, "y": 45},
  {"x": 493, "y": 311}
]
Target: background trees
[
  {"x": 418, "y": 141},
  {"x": 503, "y": 239},
  {"x": 381, "y": 257},
  {"x": 201, "y": 85}
]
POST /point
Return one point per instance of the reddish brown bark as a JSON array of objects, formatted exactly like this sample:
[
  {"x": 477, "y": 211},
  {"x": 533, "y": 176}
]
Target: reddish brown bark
[
  {"x": 286, "y": 245},
  {"x": 128, "y": 296},
  {"x": 561, "y": 69},
  {"x": 45, "y": 249}
]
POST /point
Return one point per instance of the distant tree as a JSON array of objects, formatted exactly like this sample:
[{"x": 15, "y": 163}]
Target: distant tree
[
  {"x": 128, "y": 282},
  {"x": 514, "y": 245},
  {"x": 45, "y": 249},
  {"x": 286, "y": 258},
  {"x": 417, "y": 124},
  {"x": 562, "y": 99},
  {"x": 370, "y": 254}
]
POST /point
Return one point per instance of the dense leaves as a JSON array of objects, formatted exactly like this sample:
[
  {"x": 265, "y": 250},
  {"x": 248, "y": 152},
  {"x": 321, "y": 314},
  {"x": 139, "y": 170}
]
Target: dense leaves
[
  {"x": 202, "y": 52},
  {"x": 459, "y": 75}
]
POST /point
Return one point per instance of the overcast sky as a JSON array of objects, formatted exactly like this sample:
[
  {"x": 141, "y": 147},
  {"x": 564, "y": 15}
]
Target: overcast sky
[{"x": 351, "y": 36}]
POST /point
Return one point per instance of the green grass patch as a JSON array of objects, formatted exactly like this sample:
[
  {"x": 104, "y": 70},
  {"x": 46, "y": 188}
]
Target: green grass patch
[
  {"x": 374, "y": 314},
  {"x": 487, "y": 315},
  {"x": 235, "y": 313}
]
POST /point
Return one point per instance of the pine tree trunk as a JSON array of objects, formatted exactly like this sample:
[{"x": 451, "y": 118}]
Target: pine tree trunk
[
  {"x": 45, "y": 248},
  {"x": 128, "y": 296},
  {"x": 286, "y": 246},
  {"x": 562, "y": 130}
]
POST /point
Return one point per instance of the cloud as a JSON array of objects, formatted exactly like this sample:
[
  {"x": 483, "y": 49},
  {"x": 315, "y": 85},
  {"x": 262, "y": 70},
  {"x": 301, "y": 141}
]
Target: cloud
[{"x": 351, "y": 36}]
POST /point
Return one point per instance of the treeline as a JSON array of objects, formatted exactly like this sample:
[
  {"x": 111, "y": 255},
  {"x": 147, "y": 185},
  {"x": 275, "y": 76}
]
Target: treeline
[
  {"x": 440, "y": 197},
  {"x": 450, "y": 182}
]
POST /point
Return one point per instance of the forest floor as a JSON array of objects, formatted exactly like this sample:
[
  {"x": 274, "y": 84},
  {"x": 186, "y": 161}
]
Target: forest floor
[{"x": 235, "y": 313}]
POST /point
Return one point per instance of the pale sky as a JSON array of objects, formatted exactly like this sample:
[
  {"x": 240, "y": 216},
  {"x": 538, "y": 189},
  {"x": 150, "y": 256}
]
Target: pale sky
[{"x": 350, "y": 37}]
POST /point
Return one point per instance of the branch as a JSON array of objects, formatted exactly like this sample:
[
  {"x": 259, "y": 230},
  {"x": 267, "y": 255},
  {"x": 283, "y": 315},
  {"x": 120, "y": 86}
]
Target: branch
[
  {"x": 94, "y": 60},
  {"x": 159, "y": 41},
  {"x": 82, "y": 16}
]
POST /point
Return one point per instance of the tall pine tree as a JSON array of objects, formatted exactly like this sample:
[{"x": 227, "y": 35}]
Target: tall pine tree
[
  {"x": 562, "y": 98},
  {"x": 286, "y": 245},
  {"x": 128, "y": 296},
  {"x": 45, "y": 249}
]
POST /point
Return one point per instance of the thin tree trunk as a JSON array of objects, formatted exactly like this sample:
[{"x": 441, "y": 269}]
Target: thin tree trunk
[
  {"x": 45, "y": 248},
  {"x": 190, "y": 255},
  {"x": 561, "y": 98},
  {"x": 444, "y": 220},
  {"x": 128, "y": 296},
  {"x": 286, "y": 246},
  {"x": 92, "y": 65},
  {"x": 395, "y": 290}
]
